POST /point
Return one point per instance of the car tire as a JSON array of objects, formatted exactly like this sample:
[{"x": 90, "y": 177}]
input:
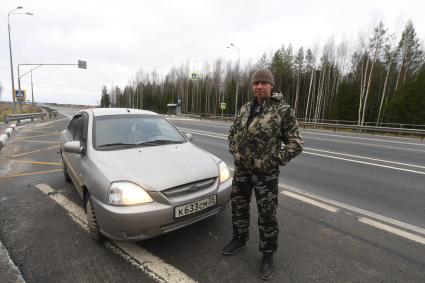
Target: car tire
[
  {"x": 66, "y": 175},
  {"x": 92, "y": 221},
  {"x": 65, "y": 171}
]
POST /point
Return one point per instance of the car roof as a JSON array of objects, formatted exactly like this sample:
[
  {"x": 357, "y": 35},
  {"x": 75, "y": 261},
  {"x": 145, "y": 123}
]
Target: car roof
[{"x": 119, "y": 111}]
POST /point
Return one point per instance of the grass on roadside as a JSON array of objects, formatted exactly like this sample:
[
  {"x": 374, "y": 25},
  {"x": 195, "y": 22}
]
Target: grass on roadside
[{"x": 7, "y": 109}]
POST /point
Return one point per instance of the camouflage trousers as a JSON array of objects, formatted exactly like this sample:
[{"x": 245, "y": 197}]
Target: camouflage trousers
[{"x": 265, "y": 187}]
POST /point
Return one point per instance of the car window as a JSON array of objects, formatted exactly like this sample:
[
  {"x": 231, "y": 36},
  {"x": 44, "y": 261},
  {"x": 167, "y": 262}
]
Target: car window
[
  {"x": 133, "y": 129},
  {"x": 73, "y": 125},
  {"x": 81, "y": 128}
]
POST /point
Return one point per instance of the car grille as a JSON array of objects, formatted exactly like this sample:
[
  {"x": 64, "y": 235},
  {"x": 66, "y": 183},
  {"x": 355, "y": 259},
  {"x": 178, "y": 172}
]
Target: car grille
[{"x": 189, "y": 187}]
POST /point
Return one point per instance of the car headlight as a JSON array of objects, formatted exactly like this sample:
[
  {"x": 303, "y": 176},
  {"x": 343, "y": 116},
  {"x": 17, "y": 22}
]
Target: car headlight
[
  {"x": 127, "y": 193},
  {"x": 224, "y": 172}
]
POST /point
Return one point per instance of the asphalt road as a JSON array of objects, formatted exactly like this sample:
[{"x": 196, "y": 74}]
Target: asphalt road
[
  {"x": 385, "y": 175},
  {"x": 351, "y": 209}
]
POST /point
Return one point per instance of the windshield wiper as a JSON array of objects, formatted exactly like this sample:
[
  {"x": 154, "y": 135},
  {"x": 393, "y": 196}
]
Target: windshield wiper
[
  {"x": 158, "y": 142},
  {"x": 116, "y": 143}
]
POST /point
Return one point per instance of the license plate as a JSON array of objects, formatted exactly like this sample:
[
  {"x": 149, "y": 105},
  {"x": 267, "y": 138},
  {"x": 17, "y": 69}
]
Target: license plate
[{"x": 194, "y": 207}]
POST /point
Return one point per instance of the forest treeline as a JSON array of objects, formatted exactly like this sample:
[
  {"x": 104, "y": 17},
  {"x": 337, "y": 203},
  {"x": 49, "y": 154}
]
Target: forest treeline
[{"x": 379, "y": 79}]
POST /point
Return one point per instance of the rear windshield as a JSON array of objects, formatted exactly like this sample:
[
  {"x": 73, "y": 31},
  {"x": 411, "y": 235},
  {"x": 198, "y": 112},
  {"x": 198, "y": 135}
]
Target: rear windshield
[{"x": 132, "y": 130}]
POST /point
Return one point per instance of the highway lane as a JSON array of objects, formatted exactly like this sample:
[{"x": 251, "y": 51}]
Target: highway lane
[
  {"x": 319, "y": 241},
  {"x": 406, "y": 150},
  {"x": 381, "y": 174}
]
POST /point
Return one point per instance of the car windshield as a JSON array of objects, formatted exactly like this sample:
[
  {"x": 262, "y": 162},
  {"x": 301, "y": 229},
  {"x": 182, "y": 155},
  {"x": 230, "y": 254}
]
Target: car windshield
[{"x": 134, "y": 130}]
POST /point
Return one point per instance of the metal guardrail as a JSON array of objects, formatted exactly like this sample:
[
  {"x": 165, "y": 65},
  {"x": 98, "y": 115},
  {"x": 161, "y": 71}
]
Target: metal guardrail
[
  {"x": 369, "y": 129},
  {"x": 227, "y": 117},
  {"x": 52, "y": 112},
  {"x": 372, "y": 124},
  {"x": 19, "y": 117}
]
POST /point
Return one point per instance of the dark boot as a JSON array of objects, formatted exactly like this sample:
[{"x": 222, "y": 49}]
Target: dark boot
[
  {"x": 266, "y": 270},
  {"x": 234, "y": 246}
]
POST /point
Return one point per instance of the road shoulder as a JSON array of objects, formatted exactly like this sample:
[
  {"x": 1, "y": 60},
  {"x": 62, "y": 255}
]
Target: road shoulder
[{"x": 8, "y": 270}]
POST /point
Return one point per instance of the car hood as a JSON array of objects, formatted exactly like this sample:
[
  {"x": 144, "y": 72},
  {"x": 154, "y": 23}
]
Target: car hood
[{"x": 157, "y": 168}]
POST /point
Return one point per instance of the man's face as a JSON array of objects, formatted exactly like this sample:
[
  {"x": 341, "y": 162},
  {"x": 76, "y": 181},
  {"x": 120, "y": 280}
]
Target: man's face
[{"x": 262, "y": 89}]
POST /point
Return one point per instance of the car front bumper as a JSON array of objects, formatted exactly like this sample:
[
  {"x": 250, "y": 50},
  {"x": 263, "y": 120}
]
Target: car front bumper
[{"x": 135, "y": 223}]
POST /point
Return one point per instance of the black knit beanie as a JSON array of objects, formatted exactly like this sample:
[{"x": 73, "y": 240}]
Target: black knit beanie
[{"x": 262, "y": 75}]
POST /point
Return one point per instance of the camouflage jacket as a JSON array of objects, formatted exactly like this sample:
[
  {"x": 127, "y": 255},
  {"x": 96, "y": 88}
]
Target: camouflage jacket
[{"x": 270, "y": 140}]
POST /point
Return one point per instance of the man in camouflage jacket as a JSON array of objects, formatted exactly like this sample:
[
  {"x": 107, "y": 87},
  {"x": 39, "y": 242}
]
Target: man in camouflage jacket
[{"x": 264, "y": 136}]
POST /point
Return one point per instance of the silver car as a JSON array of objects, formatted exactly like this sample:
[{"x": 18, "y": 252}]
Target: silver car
[{"x": 138, "y": 176}]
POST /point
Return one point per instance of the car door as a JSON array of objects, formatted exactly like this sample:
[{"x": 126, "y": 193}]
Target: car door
[
  {"x": 77, "y": 131},
  {"x": 67, "y": 137}
]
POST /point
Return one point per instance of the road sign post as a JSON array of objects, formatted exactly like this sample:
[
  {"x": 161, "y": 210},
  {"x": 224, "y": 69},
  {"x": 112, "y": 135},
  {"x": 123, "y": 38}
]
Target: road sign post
[
  {"x": 20, "y": 94},
  {"x": 194, "y": 76},
  {"x": 223, "y": 107}
]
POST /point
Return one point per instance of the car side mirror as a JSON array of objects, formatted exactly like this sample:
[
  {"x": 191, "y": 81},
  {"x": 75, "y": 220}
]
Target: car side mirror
[
  {"x": 73, "y": 147},
  {"x": 189, "y": 136}
]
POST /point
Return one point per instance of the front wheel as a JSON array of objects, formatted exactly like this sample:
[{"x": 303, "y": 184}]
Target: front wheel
[
  {"x": 65, "y": 171},
  {"x": 66, "y": 175},
  {"x": 92, "y": 221}
]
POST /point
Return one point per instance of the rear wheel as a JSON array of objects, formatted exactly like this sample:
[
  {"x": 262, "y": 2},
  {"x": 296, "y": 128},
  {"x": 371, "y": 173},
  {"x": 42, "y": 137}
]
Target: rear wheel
[{"x": 92, "y": 221}]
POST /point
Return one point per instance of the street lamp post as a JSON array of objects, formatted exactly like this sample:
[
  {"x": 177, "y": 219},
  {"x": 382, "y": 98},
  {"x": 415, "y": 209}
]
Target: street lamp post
[
  {"x": 81, "y": 65},
  {"x": 232, "y": 46},
  {"x": 10, "y": 55},
  {"x": 32, "y": 91},
  {"x": 20, "y": 76},
  {"x": 11, "y": 12}
]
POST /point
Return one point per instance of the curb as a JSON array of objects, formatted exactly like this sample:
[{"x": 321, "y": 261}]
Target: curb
[{"x": 6, "y": 135}]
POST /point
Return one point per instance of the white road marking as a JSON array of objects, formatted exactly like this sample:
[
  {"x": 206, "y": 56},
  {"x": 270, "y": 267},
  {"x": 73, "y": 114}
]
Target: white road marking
[
  {"x": 152, "y": 265},
  {"x": 224, "y": 136},
  {"x": 366, "y": 163},
  {"x": 393, "y": 230},
  {"x": 394, "y": 147},
  {"x": 311, "y": 131},
  {"x": 340, "y": 204},
  {"x": 357, "y": 210},
  {"x": 363, "y": 157},
  {"x": 221, "y": 136},
  {"x": 362, "y": 138},
  {"x": 63, "y": 201},
  {"x": 311, "y": 201}
]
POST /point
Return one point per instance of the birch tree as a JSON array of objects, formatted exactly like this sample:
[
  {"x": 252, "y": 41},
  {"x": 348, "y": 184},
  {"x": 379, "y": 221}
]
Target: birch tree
[
  {"x": 376, "y": 43},
  {"x": 299, "y": 65},
  {"x": 390, "y": 55},
  {"x": 310, "y": 66}
]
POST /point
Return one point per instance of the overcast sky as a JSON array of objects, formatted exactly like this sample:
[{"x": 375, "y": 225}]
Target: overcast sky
[{"x": 117, "y": 38}]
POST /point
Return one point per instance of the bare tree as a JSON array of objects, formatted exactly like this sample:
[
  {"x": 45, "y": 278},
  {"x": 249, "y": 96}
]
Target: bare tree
[
  {"x": 376, "y": 42},
  {"x": 264, "y": 62},
  {"x": 311, "y": 62},
  {"x": 299, "y": 65},
  {"x": 390, "y": 55}
]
